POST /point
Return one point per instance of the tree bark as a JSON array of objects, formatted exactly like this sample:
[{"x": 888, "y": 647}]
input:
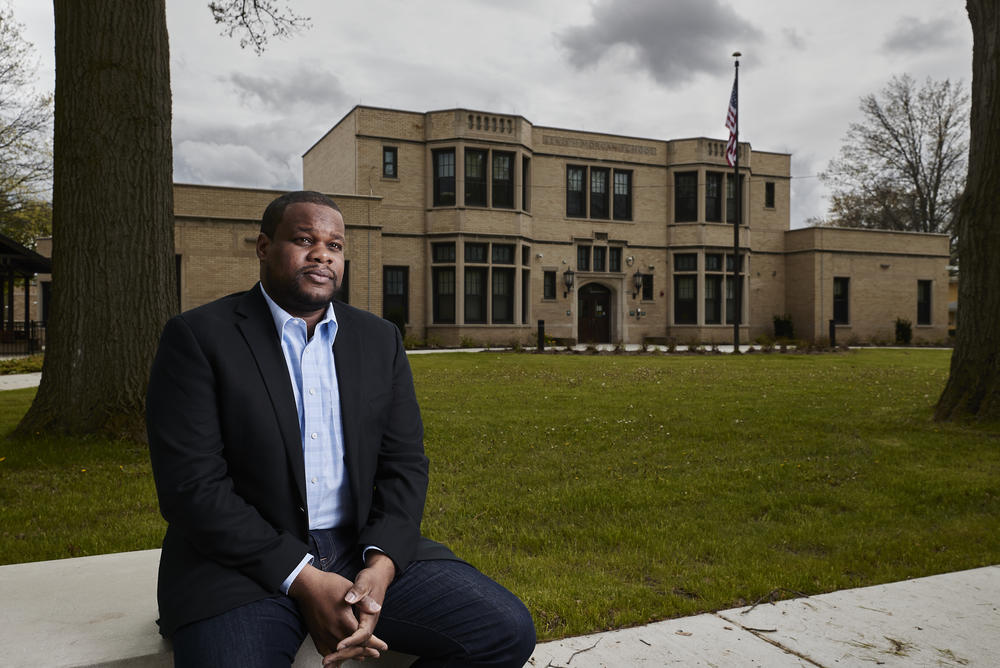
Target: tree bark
[
  {"x": 113, "y": 284},
  {"x": 973, "y": 388}
]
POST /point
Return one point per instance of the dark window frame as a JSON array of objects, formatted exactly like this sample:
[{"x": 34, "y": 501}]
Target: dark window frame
[
  {"x": 622, "y": 201},
  {"x": 476, "y": 301},
  {"x": 647, "y": 287},
  {"x": 925, "y": 298},
  {"x": 548, "y": 284},
  {"x": 576, "y": 197},
  {"x": 599, "y": 199},
  {"x": 475, "y": 184},
  {"x": 390, "y": 275},
  {"x": 440, "y": 299},
  {"x": 444, "y": 183},
  {"x": 583, "y": 257},
  {"x": 502, "y": 277},
  {"x": 440, "y": 252},
  {"x": 841, "y": 300},
  {"x": 685, "y": 197},
  {"x": 390, "y": 167},
  {"x": 476, "y": 252},
  {"x": 686, "y": 308},
  {"x": 503, "y": 185},
  {"x": 614, "y": 259},
  {"x": 769, "y": 194},
  {"x": 713, "y": 197}
]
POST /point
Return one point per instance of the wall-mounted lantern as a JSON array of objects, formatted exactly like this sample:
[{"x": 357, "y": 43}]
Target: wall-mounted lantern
[
  {"x": 568, "y": 278},
  {"x": 637, "y": 283}
]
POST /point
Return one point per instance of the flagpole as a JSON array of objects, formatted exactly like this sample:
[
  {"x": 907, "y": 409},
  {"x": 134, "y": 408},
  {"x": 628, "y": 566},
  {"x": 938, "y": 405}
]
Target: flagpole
[{"x": 737, "y": 288}]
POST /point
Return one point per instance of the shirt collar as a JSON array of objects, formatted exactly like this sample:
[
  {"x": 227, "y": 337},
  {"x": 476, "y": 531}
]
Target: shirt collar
[{"x": 281, "y": 316}]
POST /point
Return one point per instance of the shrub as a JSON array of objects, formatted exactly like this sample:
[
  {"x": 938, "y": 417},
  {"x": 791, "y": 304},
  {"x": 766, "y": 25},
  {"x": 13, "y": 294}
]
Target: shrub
[
  {"x": 783, "y": 327},
  {"x": 904, "y": 331}
]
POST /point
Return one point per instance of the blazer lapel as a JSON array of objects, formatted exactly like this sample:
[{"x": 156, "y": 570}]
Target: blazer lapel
[
  {"x": 348, "y": 353},
  {"x": 257, "y": 327}
]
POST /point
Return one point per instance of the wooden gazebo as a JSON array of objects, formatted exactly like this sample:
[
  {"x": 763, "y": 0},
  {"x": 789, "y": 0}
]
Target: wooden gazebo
[{"x": 18, "y": 263}]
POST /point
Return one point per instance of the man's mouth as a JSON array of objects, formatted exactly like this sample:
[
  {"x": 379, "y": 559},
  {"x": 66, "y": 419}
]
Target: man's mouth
[{"x": 319, "y": 275}]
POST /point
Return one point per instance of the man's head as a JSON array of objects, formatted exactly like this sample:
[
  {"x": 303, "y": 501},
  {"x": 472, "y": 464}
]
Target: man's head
[{"x": 301, "y": 252}]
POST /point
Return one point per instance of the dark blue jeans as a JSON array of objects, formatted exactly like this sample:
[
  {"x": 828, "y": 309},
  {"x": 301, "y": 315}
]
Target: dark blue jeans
[{"x": 446, "y": 612}]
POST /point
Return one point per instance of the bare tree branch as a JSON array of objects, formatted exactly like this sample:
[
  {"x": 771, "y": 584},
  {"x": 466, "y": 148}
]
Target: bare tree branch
[{"x": 256, "y": 21}]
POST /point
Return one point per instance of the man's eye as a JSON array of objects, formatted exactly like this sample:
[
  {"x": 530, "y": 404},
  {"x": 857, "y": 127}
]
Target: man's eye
[
  {"x": 337, "y": 246},
  {"x": 303, "y": 241}
]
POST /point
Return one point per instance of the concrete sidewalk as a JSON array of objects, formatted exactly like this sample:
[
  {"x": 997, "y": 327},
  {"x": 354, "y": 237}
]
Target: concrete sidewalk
[
  {"x": 19, "y": 380},
  {"x": 942, "y": 620}
]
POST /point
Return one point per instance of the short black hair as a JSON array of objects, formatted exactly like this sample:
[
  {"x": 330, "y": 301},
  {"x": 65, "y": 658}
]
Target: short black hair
[{"x": 275, "y": 211}]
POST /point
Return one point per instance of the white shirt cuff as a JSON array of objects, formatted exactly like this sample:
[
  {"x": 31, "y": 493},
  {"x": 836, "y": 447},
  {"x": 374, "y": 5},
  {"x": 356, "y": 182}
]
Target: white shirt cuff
[{"x": 306, "y": 560}]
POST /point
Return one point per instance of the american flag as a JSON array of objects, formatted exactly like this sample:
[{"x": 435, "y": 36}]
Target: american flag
[{"x": 731, "y": 126}]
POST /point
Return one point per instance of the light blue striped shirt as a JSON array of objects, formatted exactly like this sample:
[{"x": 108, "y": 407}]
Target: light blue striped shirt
[{"x": 313, "y": 371}]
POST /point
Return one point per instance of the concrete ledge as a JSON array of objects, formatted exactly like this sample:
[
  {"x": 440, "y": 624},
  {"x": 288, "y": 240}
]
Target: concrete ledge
[{"x": 96, "y": 611}]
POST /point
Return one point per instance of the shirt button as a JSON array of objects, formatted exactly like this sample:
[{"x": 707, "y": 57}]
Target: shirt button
[
  {"x": 314, "y": 436},
  {"x": 314, "y": 480},
  {"x": 312, "y": 390}
]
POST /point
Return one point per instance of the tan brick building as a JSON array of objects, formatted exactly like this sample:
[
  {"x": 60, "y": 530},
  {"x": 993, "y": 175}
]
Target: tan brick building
[{"x": 474, "y": 226}]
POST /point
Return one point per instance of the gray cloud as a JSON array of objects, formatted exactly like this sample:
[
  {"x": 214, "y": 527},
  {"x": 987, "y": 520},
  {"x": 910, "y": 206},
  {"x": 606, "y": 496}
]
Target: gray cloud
[
  {"x": 674, "y": 41},
  {"x": 793, "y": 39},
  {"x": 304, "y": 86},
  {"x": 912, "y": 34}
]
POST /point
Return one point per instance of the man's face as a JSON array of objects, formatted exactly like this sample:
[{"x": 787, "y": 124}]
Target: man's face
[{"x": 303, "y": 265}]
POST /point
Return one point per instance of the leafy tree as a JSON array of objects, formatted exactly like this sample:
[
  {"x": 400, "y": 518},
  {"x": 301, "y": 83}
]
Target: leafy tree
[
  {"x": 30, "y": 220},
  {"x": 903, "y": 166},
  {"x": 973, "y": 387},
  {"x": 113, "y": 282},
  {"x": 25, "y": 127}
]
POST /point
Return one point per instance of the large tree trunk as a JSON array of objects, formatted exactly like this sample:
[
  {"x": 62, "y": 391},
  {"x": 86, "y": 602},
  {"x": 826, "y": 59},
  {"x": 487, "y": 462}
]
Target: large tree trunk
[
  {"x": 973, "y": 387},
  {"x": 113, "y": 283}
]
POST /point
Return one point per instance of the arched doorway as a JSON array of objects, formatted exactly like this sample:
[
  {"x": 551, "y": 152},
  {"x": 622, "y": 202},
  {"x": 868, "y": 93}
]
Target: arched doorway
[{"x": 594, "y": 307}]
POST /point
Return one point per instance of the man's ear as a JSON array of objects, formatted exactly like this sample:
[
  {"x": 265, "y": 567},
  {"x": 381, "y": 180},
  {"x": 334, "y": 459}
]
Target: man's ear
[{"x": 263, "y": 242}]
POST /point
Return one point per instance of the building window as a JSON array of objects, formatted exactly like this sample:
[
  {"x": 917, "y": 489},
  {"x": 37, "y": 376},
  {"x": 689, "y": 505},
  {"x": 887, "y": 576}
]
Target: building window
[
  {"x": 615, "y": 258},
  {"x": 686, "y": 262},
  {"x": 396, "y": 294},
  {"x": 575, "y": 195},
  {"x": 686, "y": 300},
  {"x": 623, "y": 195},
  {"x": 390, "y": 162},
  {"x": 713, "y": 262},
  {"x": 444, "y": 295},
  {"x": 525, "y": 294},
  {"x": 769, "y": 195},
  {"x": 525, "y": 180},
  {"x": 731, "y": 299},
  {"x": 503, "y": 296},
  {"x": 713, "y": 300},
  {"x": 647, "y": 287},
  {"x": 443, "y": 252},
  {"x": 924, "y": 302},
  {"x": 503, "y": 254},
  {"x": 475, "y": 177},
  {"x": 600, "y": 256},
  {"x": 475, "y": 252},
  {"x": 685, "y": 197},
  {"x": 526, "y": 256},
  {"x": 583, "y": 258},
  {"x": 343, "y": 292},
  {"x": 549, "y": 285},
  {"x": 475, "y": 295},
  {"x": 713, "y": 197},
  {"x": 444, "y": 177},
  {"x": 503, "y": 180},
  {"x": 731, "y": 199},
  {"x": 599, "y": 192},
  {"x": 841, "y": 300}
]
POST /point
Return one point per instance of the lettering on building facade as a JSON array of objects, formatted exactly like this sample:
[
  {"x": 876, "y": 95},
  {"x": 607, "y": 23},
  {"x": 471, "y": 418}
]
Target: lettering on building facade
[{"x": 595, "y": 145}]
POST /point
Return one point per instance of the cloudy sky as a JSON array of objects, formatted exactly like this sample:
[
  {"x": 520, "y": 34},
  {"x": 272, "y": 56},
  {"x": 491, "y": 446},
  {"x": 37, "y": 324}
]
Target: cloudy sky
[{"x": 648, "y": 68}]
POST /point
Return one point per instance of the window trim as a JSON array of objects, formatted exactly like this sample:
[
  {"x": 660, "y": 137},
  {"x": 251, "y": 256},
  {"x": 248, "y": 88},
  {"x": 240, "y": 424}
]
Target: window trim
[{"x": 394, "y": 152}]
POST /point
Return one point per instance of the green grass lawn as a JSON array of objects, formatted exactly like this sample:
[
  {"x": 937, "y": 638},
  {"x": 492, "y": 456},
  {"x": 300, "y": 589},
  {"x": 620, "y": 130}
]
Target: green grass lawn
[{"x": 612, "y": 490}]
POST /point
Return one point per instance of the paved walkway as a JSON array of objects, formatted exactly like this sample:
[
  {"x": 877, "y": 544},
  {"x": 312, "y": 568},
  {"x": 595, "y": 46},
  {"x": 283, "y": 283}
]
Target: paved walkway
[
  {"x": 942, "y": 620},
  {"x": 19, "y": 380}
]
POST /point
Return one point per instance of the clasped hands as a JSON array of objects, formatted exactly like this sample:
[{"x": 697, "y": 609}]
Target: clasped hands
[{"x": 340, "y": 614}]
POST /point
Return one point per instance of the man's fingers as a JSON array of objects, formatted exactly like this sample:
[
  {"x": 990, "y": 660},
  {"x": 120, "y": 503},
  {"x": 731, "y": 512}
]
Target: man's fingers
[
  {"x": 363, "y": 637},
  {"x": 357, "y": 653}
]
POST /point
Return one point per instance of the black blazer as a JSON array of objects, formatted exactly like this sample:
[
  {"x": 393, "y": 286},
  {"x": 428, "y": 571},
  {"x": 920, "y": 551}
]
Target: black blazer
[{"x": 227, "y": 455}]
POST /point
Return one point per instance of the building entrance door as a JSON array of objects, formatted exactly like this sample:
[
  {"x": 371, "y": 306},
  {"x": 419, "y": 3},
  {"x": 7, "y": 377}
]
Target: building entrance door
[{"x": 594, "y": 307}]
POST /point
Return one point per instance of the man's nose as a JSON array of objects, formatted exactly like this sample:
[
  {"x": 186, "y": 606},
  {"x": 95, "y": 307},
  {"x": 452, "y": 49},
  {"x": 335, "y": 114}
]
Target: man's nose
[{"x": 320, "y": 253}]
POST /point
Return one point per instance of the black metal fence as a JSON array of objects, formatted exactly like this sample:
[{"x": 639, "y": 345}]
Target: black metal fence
[{"x": 22, "y": 338}]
